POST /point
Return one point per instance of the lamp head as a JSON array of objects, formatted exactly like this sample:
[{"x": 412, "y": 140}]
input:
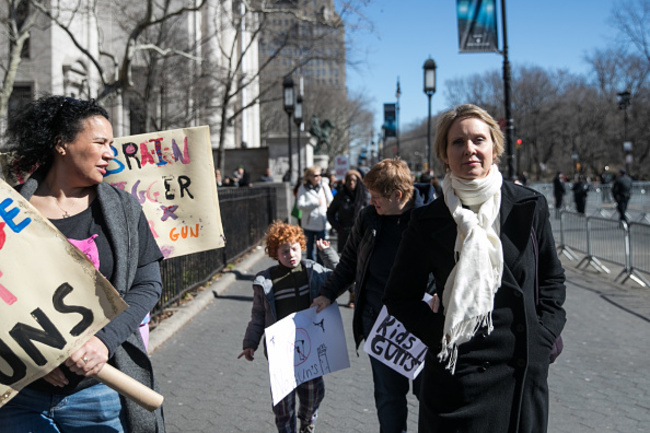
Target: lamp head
[
  {"x": 429, "y": 76},
  {"x": 287, "y": 86}
]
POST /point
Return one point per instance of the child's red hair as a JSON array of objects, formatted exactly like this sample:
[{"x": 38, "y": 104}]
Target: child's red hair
[{"x": 280, "y": 233}]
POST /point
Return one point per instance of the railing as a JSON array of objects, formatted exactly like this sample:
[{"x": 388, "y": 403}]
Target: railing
[
  {"x": 600, "y": 195},
  {"x": 245, "y": 215},
  {"x": 602, "y": 239}
]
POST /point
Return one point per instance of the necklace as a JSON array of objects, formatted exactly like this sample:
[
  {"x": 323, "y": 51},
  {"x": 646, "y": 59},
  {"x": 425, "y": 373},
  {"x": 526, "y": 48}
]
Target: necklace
[{"x": 65, "y": 212}]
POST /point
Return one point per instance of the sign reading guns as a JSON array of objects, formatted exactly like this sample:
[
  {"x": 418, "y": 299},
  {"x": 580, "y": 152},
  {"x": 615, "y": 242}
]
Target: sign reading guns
[
  {"x": 392, "y": 344},
  {"x": 171, "y": 174},
  {"x": 49, "y": 314}
]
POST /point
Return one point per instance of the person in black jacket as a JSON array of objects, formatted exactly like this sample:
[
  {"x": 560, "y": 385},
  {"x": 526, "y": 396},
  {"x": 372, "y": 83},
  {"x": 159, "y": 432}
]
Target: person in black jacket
[
  {"x": 366, "y": 261},
  {"x": 558, "y": 192},
  {"x": 346, "y": 205},
  {"x": 580, "y": 189},
  {"x": 622, "y": 190},
  {"x": 344, "y": 209},
  {"x": 497, "y": 311}
]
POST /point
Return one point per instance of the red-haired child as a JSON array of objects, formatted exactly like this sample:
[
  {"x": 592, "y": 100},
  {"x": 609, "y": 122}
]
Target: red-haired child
[{"x": 280, "y": 290}]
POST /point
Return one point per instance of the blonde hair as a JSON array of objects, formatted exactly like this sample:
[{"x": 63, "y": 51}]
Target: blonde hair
[
  {"x": 462, "y": 112},
  {"x": 310, "y": 171}
]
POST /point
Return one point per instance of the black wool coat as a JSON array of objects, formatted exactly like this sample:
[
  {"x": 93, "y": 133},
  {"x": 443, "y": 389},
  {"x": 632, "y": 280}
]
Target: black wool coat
[{"x": 500, "y": 383}]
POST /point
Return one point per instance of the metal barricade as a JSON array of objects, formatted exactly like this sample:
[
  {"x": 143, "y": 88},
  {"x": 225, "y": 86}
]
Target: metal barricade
[
  {"x": 606, "y": 240},
  {"x": 639, "y": 262},
  {"x": 573, "y": 234}
]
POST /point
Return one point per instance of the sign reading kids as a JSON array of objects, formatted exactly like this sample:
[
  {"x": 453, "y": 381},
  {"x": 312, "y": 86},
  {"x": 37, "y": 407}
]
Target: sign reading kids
[
  {"x": 171, "y": 173},
  {"x": 392, "y": 344},
  {"x": 49, "y": 314}
]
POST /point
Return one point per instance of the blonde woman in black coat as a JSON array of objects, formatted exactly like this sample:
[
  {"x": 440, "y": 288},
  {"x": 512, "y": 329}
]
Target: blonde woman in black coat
[{"x": 489, "y": 337}]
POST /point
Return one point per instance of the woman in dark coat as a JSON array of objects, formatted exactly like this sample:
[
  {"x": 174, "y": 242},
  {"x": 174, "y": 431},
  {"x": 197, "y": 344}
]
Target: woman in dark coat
[
  {"x": 580, "y": 189},
  {"x": 345, "y": 207},
  {"x": 489, "y": 338}
]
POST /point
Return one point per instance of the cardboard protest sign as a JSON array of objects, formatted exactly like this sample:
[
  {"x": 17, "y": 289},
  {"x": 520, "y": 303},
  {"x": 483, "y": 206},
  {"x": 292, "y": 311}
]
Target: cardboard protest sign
[
  {"x": 52, "y": 299},
  {"x": 341, "y": 166},
  {"x": 303, "y": 346},
  {"x": 392, "y": 344},
  {"x": 171, "y": 173}
]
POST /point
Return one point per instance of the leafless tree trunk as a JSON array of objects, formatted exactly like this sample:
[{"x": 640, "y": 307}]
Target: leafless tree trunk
[{"x": 18, "y": 24}]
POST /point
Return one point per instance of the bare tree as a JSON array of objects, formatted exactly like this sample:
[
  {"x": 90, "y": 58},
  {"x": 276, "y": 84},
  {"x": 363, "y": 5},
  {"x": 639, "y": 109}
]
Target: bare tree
[
  {"x": 249, "y": 22},
  {"x": 351, "y": 116},
  {"x": 145, "y": 15},
  {"x": 137, "y": 68},
  {"x": 631, "y": 17},
  {"x": 484, "y": 90},
  {"x": 18, "y": 22}
]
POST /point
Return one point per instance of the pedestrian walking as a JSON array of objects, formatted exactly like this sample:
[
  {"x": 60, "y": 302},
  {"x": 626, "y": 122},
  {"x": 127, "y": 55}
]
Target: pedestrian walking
[
  {"x": 490, "y": 247},
  {"x": 70, "y": 141},
  {"x": 347, "y": 204},
  {"x": 622, "y": 191},
  {"x": 580, "y": 189},
  {"x": 314, "y": 196},
  {"x": 345, "y": 208},
  {"x": 279, "y": 291},
  {"x": 366, "y": 261},
  {"x": 558, "y": 191}
]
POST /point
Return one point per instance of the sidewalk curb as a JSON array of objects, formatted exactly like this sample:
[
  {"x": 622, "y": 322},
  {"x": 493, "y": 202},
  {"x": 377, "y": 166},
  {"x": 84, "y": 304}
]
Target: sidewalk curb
[{"x": 186, "y": 313}]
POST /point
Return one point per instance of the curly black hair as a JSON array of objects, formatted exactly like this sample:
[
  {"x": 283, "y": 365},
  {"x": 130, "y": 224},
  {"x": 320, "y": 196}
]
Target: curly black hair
[{"x": 34, "y": 131}]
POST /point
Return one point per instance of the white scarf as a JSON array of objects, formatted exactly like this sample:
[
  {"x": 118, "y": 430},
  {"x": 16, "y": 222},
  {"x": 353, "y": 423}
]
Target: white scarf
[{"x": 470, "y": 288}]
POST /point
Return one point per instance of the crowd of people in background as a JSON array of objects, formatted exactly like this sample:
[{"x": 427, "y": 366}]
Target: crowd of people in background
[{"x": 621, "y": 191}]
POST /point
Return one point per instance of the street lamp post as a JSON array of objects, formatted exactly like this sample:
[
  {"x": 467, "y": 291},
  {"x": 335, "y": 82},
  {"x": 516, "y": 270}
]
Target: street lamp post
[
  {"x": 623, "y": 103},
  {"x": 429, "y": 88},
  {"x": 297, "y": 118},
  {"x": 398, "y": 93},
  {"x": 510, "y": 128},
  {"x": 287, "y": 87}
]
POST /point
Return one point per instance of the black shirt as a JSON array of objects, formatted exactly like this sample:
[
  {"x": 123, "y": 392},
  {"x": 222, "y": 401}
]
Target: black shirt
[
  {"x": 383, "y": 257},
  {"x": 86, "y": 231},
  {"x": 290, "y": 290}
]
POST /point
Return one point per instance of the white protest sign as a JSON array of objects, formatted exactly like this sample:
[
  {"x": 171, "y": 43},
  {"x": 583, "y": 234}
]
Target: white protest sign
[
  {"x": 171, "y": 173},
  {"x": 392, "y": 344},
  {"x": 52, "y": 299},
  {"x": 341, "y": 166},
  {"x": 303, "y": 346}
]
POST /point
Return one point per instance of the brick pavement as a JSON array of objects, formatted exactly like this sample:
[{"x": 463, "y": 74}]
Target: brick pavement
[{"x": 601, "y": 381}]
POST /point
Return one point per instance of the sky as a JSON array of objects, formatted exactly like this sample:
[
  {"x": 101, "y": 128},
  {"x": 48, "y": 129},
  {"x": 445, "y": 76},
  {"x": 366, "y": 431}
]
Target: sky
[{"x": 552, "y": 34}]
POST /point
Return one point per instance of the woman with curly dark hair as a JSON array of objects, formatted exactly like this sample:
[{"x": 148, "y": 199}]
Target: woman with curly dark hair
[{"x": 68, "y": 142}]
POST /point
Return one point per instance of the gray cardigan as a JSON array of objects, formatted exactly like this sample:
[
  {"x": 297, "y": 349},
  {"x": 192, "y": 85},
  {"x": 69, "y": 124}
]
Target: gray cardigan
[{"x": 141, "y": 283}]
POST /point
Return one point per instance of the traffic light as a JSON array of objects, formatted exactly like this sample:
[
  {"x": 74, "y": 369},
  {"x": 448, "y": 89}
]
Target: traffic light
[{"x": 518, "y": 143}]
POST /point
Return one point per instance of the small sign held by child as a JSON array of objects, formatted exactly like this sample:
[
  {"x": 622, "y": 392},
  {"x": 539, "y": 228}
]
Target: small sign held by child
[{"x": 303, "y": 346}]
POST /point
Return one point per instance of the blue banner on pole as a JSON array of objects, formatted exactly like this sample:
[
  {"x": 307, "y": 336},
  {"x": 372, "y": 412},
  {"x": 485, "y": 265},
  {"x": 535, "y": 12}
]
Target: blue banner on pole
[
  {"x": 477, "y": 26},
  {"x": 390, "y": 120}
]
